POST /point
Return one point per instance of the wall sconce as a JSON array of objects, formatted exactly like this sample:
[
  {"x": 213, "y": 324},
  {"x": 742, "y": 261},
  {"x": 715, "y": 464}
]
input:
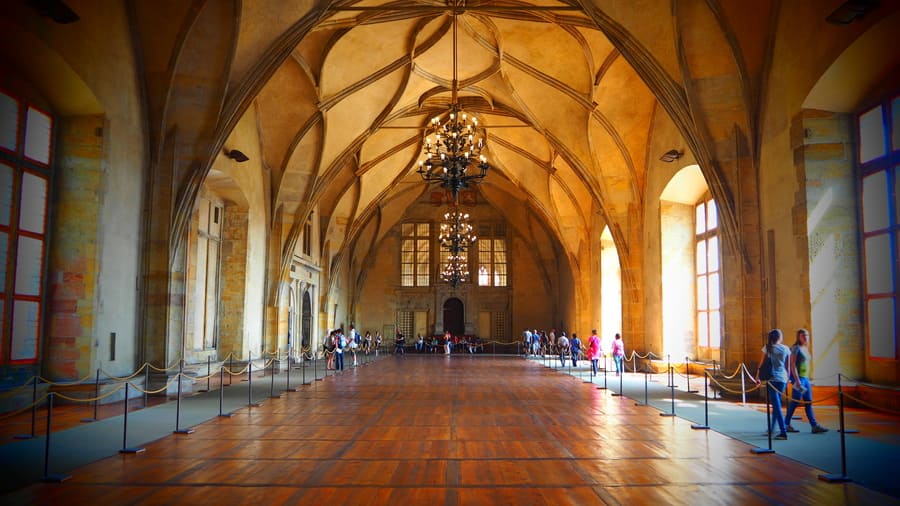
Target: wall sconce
[
  {"x": 671, "y": 155},
  {"x": 237, "y": 156}
]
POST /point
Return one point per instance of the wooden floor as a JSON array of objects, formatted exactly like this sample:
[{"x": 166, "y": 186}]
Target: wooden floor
[{"x": 436, "y": 430}]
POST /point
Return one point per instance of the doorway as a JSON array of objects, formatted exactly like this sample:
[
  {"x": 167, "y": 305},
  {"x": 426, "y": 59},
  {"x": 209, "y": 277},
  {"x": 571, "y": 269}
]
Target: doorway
[{"x": 454, "y": 317}]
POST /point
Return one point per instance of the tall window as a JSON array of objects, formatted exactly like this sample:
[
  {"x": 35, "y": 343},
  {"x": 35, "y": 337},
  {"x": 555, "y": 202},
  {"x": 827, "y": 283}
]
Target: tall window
[
  {"x": 209, "y": 242},
  {"x": 414, "y": 254},
  {"x": 492, "y": 255},
  {"x": 878, "y": 132},
  {"x": 709, "y": 330},
  {"x": 25, "y": 168},
  {"x": 307, "y": 237}
]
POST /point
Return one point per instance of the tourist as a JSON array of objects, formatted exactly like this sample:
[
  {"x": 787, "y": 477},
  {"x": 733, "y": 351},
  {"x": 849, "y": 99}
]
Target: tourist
[
  {"x": 575, "y": 349},
  {"x": 618, "y": 353},
  {"x": 594, "y": 351},
  {"x": 562, "y": 345},
  {"x": 801, "y": 391},
  {"x": 779, "y": 355}
]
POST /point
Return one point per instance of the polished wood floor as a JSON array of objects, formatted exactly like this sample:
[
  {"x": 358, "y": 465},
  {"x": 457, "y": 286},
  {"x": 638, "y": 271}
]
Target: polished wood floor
[{"x": 447, "y": 431}]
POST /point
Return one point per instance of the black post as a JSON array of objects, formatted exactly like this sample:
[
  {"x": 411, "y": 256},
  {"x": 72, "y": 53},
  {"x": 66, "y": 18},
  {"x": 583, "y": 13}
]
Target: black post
[
  {"x": 146, "y": 383},
  {"x": 272, "y": 381},
  {"x": 47, "y": 477},
  {"x": 672, "y": 390},
  {"x": 669, "y": 378},
  {"x": 604, "y": 376},
  {"x": 687, "y": 371},
  {"x": 843, "y": 478},
  {"x": 33, "y": 410},
  {"x": 125, "y": 448},
  {"x": 768, "y": 425},
  {"x": 645, "y": 391},
  {"x": 222, "y": 391},
  {"x": 621, "y": 375},
  {"x": 844, "y": 429},
  {"x": 250, "y": 402},
  {"x": 208, "y": 370},
  {"x": 287, "y": 387},
  {"x": 715, "y": 372},
  {"x": 96, "y": 398},
  {"x": 316, "y": 365},
  {"x": 705, "y": 403},
  {"x": 230, "y": 367},
  {"x": 178, "y": 429}
]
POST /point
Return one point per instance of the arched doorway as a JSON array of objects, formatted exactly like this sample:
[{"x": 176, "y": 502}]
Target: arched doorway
[
  {"x": 305, "y": 320},
  {"x": 454, "y": 316}
]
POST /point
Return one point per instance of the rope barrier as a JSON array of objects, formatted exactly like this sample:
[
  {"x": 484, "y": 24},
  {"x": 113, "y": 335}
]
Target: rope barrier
[
  {"x": 37, "y": 402},
  {"x": 870, "y": 405},
  {"x": 66, "y": 383},
  {"x": 15, "y": 389},
  {"x": 90, "y": 399},
  {"x": 126, "y": 378},
  {"x": 166, "y": 369}
]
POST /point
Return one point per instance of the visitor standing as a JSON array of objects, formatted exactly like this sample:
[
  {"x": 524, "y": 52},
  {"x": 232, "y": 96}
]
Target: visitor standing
[
  {"x": 779, "y": 355},
  {"x": 594, "y": 351},
  {"x": 618, "y": 353},
  {"x": 801, "y": 391},
  {"x": 562, "y": 345},
  {"x": 575, "y": 347}
]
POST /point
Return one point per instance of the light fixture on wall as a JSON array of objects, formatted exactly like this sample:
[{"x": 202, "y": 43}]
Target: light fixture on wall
[
  {"x": 671, "y": 155},
  {"x": 453, "y": 146},
  {"x": 237, "y": 155}
]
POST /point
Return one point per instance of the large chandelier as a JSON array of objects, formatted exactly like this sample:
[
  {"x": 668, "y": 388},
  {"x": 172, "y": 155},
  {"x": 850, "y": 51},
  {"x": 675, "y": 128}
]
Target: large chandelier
[
  {"x": 451, "y": 148},
  {"x": 456, "y": 232},
  {"x": 456, "y": 270}
]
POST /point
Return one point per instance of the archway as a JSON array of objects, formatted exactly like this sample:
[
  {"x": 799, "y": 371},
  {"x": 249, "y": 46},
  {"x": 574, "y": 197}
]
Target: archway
[{"x": 454, "y": 316}]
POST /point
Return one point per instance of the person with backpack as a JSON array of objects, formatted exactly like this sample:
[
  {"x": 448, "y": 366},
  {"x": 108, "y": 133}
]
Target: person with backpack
[
  {"x": 777, "y": 355},
  {"x": 575, "y": 346},
  {"x": 339, "y": 350},
  {"x": 563, "y": 347}
]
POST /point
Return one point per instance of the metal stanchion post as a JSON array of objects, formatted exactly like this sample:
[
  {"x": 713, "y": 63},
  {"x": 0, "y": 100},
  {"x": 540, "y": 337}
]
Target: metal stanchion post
[
  {"x": 672, "y": 390},
  {"x": 670, "y": 378},
  {"x": 842, "y": 478},
  {"x": 250, "y": 403},
  {"x": 230, "y": 367},
  {"x": 621, "y": 391},
  {"x": 96, "y": 398},
  {"x": 272, "y": 381},
  {"x": 222, "y": 392},
  {"x": 604, "y": 377},
  {"x": 178, "y": 429},
  {"x": 33, "y": 410},
  {"x": 316, "y": 366},
  {"x": 290, "y": 357},
  {"x": 705, "y": 404},
  {"x": 715, "y": 372},
  {"x": 125, "y": 448},
  {"x": 768, "y": 426},
  {"x": 687, "y": 372},
  {"x": 47, "y": 477},
  {"x": 208, "y": 371},
  {"x": 146, "y": 383},
  {"x": 843, "y": 429},
  {"x": 645, "y": 403}
]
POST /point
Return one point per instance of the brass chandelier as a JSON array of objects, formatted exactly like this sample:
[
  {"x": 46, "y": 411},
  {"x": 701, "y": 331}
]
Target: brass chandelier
[
  {"x": 456, "y": 232},
  {"x": 456, "y": 270},
  {"x": 452, "y": 148}
]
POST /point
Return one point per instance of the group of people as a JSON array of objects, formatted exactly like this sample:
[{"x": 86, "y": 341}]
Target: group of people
[
  {"x": 336, "y": 343},
  {"x": 788, "y": 365},
  {"x": 546, "y": 343},
  {"x": 445, "y": 344}
]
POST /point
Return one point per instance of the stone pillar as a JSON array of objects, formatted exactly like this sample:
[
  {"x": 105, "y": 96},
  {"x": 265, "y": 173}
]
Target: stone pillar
[
  {"x": 233, "y": 271},
  {"x": 74, "y": 258}
]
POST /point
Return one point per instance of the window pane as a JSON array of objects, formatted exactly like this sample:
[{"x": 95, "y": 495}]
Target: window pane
[
  {"x": 422, "y": 257},
  {"x": 882, "y": 342},
  {"x": 871, "y": 135},
  {"x": 713, "y": 291},
  {"x": 702, "y": 329},
  {"x": 6, "y": 182},
  {"x": 406, "y": 229},
  {"x": 37, "y": 136},
  {"x": 712, "y": 215},
  {"x": 715, "y": 330},
  {"x": 879, "y": 264},
  {"x": 25, "y": 330},
  {"x": 29, "y": 259},
  {"x": 484, "y": 278},
  {"x": 4, "y": 252},
  {"x": 701, "y": 257},
  {"x": 700, "y": 217},
  {"x": 9, "y": 121},
  {"x": 895, "y": 114},
  {"x": 713, "y": 254},
  {"x": 422, "y": 245},
  {"x": 407, "y": 257},
  {"x": 422, "y": 229},
  {"x": 408, "y": 245},
  {"x": 702, "y": 293},
  {"x": 875, "y": 201},
  {"x": 34, "y": 203}
]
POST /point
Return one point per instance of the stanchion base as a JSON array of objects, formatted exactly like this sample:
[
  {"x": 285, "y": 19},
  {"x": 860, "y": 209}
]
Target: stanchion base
[
  {"x": 132, "y": 450},
  {"x": 319, "y": 379},
  {"x": 23, "y": 436},
  {"x": 292, "y": 389},
  {"x": 275, "y": 396},
  {"x": 849, "y": 431},
  {"x": 601, "y": 388},
  {"x": 667, "y": 414},
  {"x": 835, "y": 478},
  {"x": 616, "y": 395},
  {"x": 254, "y": 405},
  {"x": 183, "y": 431},
  {"x": 640, "y": 403},
  {"x": 202, "y": 390},
  {"x": 88, "y": 420},
  {"x": 700, "y": 427},
  {"x": 761, "y": 450},
  {"x": 226, "y": 415},
  {"x": 55, "y": 478},
  {"x": 693, "y": 391}
]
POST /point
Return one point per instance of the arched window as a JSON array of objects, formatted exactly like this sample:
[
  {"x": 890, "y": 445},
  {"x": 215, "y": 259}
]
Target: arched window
[
  {"x": 706, "y": 227},
  {"x": 414, "y": 254},
  {"x": 492, "y": 262},
  {"x": 878, "y": 131}
]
